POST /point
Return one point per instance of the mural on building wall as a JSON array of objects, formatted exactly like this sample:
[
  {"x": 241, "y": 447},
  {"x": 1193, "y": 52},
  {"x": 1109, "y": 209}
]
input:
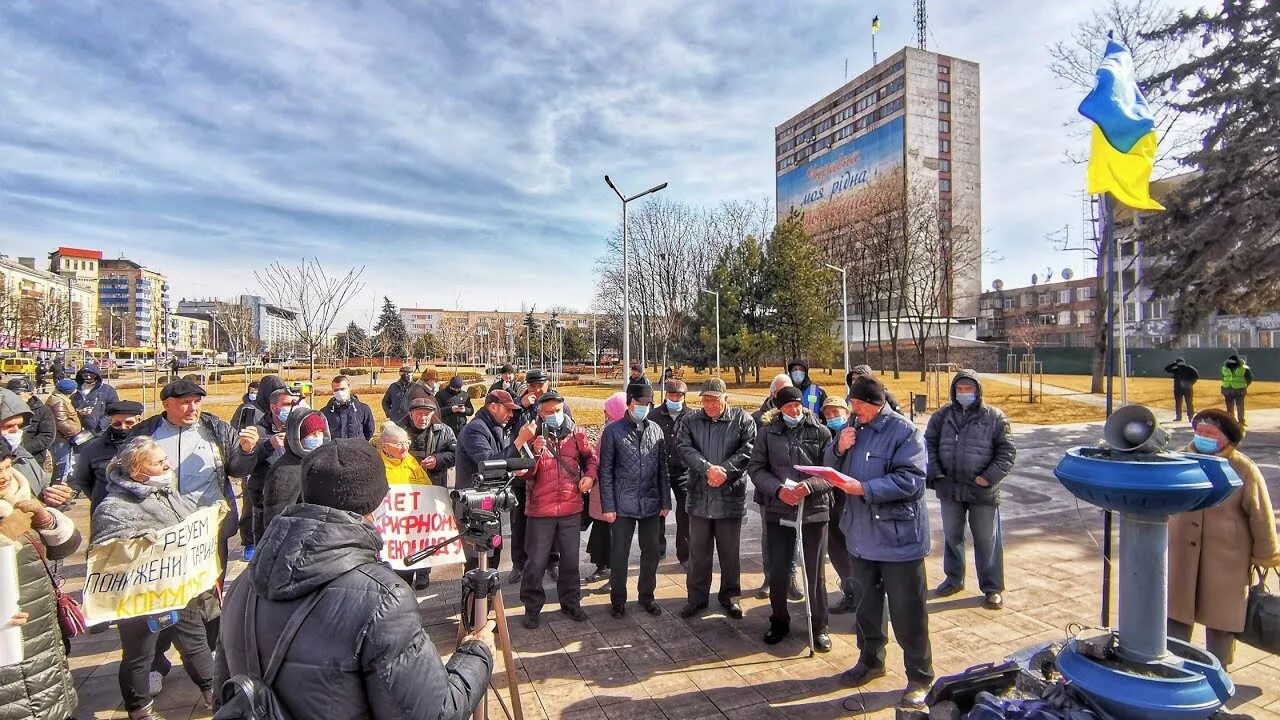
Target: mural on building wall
[{"x": 840, "y": 176}]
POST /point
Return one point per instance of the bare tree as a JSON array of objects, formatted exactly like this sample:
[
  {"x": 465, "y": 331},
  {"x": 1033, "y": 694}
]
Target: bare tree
[
  {"x": 315, "y": 298},
  {"x": 673, "y": 248},
  {"x": 1028, "y": 335}
]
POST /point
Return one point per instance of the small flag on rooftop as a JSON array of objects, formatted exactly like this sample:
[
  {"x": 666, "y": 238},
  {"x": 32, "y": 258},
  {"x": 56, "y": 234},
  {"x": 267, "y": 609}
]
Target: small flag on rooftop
[{"x": 875, "y": 24}]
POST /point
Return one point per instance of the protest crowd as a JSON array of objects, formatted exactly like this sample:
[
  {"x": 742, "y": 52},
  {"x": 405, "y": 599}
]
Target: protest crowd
[{"x": 325, "y": 622}]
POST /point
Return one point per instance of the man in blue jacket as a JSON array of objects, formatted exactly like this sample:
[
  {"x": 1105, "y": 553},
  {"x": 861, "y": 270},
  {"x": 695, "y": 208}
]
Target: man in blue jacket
[
  {"x": 886, "y": 526},
  {"x": 635, "y": 495},
  {"x": 486, "y": 438}
]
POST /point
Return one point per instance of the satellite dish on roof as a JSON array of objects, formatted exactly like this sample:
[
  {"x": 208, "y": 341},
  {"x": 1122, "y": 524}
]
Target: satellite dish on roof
[
  {"x": 1067, "y": 274},
  {"x": 1035, "y": 278},
  {"x": 997, "y": 284}
]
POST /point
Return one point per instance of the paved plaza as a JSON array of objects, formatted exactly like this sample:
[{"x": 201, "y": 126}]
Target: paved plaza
[{"x": 713, "y": 667}]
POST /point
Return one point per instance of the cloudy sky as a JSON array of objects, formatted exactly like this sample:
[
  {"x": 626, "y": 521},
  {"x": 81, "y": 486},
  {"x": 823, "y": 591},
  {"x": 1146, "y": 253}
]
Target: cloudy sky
[{"x": 457, "y": 147}]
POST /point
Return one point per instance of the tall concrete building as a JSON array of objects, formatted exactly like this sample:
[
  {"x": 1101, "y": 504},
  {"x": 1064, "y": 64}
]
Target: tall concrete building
[
  {"x": 81, "y": 265},
  {"x": 911, "y": 121},
  {"x": 137, "y": 301}
]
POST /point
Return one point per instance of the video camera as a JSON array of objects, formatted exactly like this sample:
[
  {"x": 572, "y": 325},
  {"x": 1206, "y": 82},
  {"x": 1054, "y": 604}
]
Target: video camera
[{"x": 479, "y": 508}]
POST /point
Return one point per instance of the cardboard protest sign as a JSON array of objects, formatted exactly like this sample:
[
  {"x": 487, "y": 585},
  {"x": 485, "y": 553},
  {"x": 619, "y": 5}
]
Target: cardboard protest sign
[
  {"x": 415, "y": 517},
  {"x": 166, "y": 570}
]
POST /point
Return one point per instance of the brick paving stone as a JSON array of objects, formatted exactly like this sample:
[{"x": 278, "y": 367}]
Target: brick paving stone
[{"x": 711, "y": 666}]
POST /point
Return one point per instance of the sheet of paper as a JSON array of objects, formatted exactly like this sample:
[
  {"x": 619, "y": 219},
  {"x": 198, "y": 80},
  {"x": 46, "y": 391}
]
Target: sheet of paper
[
  {"x": 10, "y": 638},
  {"x": 831, "y": 475}
]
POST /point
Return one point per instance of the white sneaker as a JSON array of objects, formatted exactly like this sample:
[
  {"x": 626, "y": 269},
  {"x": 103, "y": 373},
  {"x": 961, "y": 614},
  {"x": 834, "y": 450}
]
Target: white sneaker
[{"x": 155, "y": 683}]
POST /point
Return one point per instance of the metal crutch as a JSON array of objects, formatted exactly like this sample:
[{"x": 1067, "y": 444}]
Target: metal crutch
[{"x": 804, "y": 572}]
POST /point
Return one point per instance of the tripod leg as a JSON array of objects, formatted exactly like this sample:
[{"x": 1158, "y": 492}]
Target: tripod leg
[{"x": 504, "y": 642}]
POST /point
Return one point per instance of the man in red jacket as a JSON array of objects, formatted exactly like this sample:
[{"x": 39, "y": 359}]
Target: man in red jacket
[{"x": 567, "y": 467}]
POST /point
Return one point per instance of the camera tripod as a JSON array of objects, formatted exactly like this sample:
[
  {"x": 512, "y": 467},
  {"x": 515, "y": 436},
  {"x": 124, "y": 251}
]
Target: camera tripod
[{"x": 484, "y": 587}]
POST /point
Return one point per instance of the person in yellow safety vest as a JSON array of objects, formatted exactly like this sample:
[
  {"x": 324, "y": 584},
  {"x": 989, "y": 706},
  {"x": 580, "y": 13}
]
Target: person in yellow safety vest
[{"x": 1236, "y": 379}]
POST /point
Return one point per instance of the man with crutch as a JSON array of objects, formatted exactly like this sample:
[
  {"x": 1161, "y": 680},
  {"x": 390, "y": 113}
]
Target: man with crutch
[{"x": 791, "y": 435}]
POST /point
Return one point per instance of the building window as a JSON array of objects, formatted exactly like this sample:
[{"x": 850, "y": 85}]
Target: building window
[
  {"x": 1042, "y": 299},
  {"x": 1127, "y": 249},
  {"x": 1269, "y": 338},
  {"x": 1084, "y": 293},
  {"x": 1064, "y": 296},
  {"x": 944, "y": 106},
  {"x": 944, "y": 146},
  {"x": 1010, "y": 303},
  {"x": 1190, "y": 341},
  {"x": 944, "y": 69},
  {"x": 944, "y": 185},
  {"x": 944, "y": 87},
  {"x": 944, "y": 165},
  {"x": 1047, "y": 319}
]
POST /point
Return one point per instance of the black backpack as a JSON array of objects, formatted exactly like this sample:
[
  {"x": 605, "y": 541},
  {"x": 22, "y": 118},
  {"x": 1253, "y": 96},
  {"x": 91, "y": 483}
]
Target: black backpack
[{"x": 250, "y": 696}]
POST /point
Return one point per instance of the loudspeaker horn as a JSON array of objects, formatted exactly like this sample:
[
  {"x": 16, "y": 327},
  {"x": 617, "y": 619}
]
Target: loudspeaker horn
[{"x": 1133, "y": 428}]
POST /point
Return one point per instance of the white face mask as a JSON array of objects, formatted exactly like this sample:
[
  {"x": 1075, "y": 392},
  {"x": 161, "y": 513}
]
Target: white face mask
[
  {"x": 342, "y": 395},
  {"x": 14, "y": 438},
  {"x": 164, "y": 481}
]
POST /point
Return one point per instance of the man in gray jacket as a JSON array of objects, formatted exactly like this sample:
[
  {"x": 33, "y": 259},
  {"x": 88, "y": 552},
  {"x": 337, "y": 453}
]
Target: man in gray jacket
[
  {"x": 886, "y": 527},
  {"x": 970, "y": 452},
  {"x": 715, "y": 443}
]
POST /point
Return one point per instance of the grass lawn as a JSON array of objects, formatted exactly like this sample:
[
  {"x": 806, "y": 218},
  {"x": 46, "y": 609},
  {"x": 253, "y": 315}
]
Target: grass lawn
[{"x": 1158, "y": 392}]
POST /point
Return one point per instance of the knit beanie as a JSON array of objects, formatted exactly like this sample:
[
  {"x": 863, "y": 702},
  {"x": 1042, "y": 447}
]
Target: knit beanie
[
  {"x": 867, "y": 389},
  {"x": 345, "y": 474},
  {"x": 66, "y": 386},
  {"x": 312, "y": 423},
  {"x": 788, "y": 394}
]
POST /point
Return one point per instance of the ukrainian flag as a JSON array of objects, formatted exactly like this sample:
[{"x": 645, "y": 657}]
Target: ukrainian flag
[
  {"x": 875, "y": 25},
  {"x": 1123, "y": 151}
]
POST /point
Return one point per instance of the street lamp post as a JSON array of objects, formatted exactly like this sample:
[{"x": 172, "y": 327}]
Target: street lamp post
[
  {"x": 717, "y": 294},
  {"x": 844, "y": 302},
  {"x": 626, "y": 274}
]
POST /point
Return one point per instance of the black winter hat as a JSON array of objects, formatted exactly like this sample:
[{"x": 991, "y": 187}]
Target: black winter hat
[
  {"x": 868, "y": 390},
  {"x": 535, "y": 376},
  {"x": 19, "y": 384},
  {"x": 346, "y": 474},
  {"x": 788, "y": 394},
  {"x": 505, "y": 369},
  {"x": 639, "y": 392},
  {"x": 125, "y": 407}
]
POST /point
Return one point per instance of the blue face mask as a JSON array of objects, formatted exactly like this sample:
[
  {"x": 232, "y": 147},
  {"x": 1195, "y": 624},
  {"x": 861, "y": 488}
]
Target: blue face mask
[
  {"x": 554, "y": 420},
  {"x": 837, "y": 423},
  {"x": 797, "y": 377},
  {"x": 674, "y": 406},
  {"x": 1205, "y": 445},
  {"x": 790, "y": 421},
  {"x": 966, "y": 399},
  {"x": 253, "y": 396},
  {"x": 312, "y": 442},
  {"x": 640, "y": 413},
  {"x": 282, "y": 414}
]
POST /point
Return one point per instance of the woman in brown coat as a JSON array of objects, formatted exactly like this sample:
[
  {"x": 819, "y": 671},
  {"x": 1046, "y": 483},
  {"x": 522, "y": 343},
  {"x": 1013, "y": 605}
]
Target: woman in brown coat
[{"x": 1211, "y": 551}]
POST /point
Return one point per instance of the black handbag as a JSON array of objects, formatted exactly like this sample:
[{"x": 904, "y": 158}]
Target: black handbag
[
  {"x": 1262, "y": 616},
  {"x": 250, "y": 696}
]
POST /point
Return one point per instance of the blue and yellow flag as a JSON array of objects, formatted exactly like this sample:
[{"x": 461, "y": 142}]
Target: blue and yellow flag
[
  {"x": 1123, "y": 151},
  {"x": 875, "y": 25}
]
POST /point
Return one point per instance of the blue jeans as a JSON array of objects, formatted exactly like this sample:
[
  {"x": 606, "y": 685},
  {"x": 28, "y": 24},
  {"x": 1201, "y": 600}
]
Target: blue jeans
[{"x": 988, "y": 549}]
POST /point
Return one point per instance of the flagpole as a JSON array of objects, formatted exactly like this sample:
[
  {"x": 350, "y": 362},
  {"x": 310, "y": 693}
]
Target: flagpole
[
  {"x": 874, "y": 59},
  {"x": 1109, "y": 247}
]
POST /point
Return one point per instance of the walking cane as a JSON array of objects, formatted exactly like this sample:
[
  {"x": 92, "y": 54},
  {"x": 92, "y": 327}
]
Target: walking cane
[{"x": 804, "y": 572}]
